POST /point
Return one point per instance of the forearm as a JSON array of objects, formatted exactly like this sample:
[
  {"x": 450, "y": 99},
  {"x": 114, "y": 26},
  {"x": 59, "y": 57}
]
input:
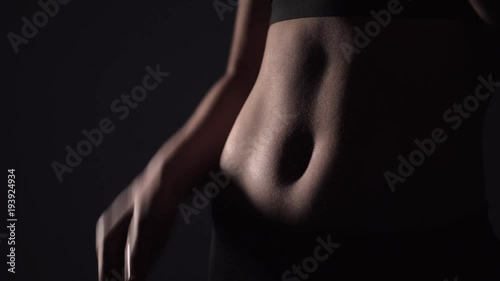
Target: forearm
[
  {"x": 187, "y": 155},
  {"x": 197, "y": 146}
]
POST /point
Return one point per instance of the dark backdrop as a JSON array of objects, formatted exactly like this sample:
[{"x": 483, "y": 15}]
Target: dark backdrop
[{"x": 65, "y": 79}]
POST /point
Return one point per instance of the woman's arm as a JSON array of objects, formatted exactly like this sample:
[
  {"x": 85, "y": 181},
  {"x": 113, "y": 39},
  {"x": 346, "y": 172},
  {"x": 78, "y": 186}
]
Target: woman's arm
[{"x": 136, "y": 224}]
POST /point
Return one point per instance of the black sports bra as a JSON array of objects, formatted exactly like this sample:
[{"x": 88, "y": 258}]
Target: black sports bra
[{"x": 431, "y": 9}]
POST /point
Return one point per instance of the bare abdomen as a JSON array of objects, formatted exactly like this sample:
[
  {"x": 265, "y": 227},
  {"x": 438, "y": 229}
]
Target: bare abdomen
[{"x": 322, "y": 127}]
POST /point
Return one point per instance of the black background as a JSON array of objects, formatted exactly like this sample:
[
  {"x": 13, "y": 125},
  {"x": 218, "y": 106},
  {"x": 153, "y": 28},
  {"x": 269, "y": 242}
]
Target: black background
[{"x": 64, "y": 80}]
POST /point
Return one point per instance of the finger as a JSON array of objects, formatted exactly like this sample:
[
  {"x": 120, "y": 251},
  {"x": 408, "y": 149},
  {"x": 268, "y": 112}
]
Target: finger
[
  {"x": 99, "y": 237},
  {"x": 110, "y": 240},
  {"x": 136, "y": 248},
  {"x": 111, "y": 235},
  {"x": 141, "y": 247},
  {"x": 127, "y": 273}
]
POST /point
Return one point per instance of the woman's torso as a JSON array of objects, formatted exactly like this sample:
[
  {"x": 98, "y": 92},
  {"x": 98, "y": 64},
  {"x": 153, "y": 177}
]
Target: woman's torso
[{"x": 324, "y": 126}]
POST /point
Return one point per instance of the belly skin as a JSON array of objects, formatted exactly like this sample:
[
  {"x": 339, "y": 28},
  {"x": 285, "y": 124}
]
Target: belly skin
[{"x": 322, "y": 127}]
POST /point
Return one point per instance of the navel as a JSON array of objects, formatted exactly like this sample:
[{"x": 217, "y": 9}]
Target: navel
[{"x": 295, "y": 155}]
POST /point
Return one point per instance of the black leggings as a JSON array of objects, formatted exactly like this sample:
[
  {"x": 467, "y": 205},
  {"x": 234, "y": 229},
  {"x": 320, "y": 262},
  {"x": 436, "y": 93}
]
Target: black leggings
[{"x": 246, "y": 251}]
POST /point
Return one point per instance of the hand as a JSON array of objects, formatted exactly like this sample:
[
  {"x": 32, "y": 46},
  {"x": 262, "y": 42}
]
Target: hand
[
  {"x": 146, "y": 237},
  {"x": 111, "y": 235},
  {"x": 132, "y": 231}
]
